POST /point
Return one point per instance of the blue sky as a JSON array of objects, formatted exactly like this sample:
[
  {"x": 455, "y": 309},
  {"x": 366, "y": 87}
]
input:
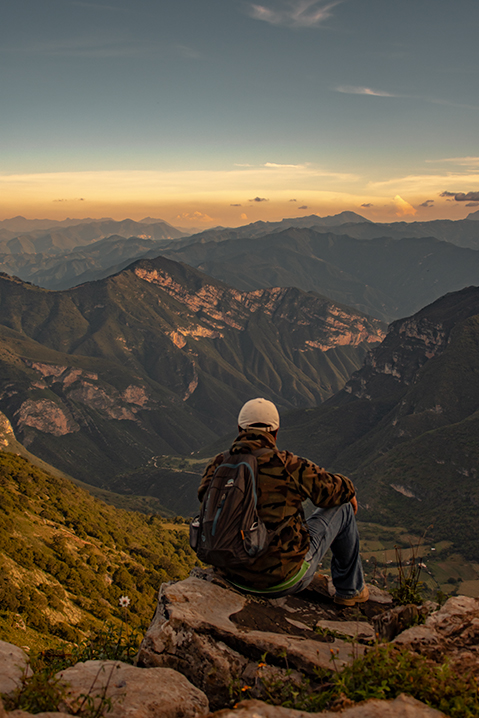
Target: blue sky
[{"x": 193, "y": 110}]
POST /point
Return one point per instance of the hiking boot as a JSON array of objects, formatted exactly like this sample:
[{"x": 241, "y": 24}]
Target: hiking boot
[{"x": 361, "y": 597}]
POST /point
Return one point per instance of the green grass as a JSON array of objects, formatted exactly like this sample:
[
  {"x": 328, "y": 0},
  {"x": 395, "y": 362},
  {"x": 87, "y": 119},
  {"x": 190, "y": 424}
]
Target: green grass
[{"x": 66, "y": 558}]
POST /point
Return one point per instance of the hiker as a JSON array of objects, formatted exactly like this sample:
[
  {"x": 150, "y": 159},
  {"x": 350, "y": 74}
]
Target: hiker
[{"x": 284, "y": 481}]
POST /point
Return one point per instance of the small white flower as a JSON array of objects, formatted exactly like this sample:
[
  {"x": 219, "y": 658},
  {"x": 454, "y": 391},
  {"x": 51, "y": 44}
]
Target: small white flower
[{"x": 124, "y": 601}]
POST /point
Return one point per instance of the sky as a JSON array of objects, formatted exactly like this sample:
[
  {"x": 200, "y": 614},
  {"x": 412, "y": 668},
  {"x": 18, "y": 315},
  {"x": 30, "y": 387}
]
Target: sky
[{"x": 225, "y": 112}]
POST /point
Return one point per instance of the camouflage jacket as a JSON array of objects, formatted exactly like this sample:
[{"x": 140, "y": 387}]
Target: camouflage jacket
[{"x": 284, "y": 482}]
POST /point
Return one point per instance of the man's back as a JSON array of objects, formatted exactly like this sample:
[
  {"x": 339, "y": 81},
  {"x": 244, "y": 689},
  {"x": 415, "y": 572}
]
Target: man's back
[{"x": 284, "y": 482}]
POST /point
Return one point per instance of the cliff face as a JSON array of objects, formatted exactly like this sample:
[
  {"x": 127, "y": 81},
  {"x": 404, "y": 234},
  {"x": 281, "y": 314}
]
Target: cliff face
[
  {"x": 159, "y": 358},
  {"x": 405, "y": 426}
]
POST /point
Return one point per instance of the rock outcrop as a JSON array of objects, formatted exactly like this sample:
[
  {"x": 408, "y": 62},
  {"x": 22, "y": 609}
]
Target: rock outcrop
[
  {"x": 402, "y": 707},
  {"x": 131, "y": 691},
  {"x": 13, "y": 665},
  {"x": 216, "y": 636},
  {"x": 208, "y": 644}
]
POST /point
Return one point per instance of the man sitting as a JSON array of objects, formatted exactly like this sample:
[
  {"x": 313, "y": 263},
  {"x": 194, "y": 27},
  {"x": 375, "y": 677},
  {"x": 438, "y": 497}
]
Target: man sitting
[{"x": 284, "y": 482}]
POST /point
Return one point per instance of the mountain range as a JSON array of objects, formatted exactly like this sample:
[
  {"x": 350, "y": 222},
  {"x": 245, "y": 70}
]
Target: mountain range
[
  {"x": 61, "y": 239},
  {"x": 157, "y": 359},
  {"x": 406, "y": 426},
  {"x": 386, "y": 278}
]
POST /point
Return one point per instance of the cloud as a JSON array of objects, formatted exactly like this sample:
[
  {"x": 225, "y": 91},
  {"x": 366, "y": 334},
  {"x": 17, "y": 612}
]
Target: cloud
[
  {"x": 463, "y": 161},
  {"x": 235, "y": 205},
  {"x": 295, "y": 13},
  {"x": 77, "y": 199},
  {"x": 188, "y": 52},
  {"x": 352, "y": 90},
  {"x": 93, "y": 44},
  {"x": 428, "y": 203},
  {"x": 258, "y": 199},
  {"x": 472, "y": 204},
  {"x": 293, "y": 200},
  {"x": 403, "y": 208},
  {"x": 303, "y": 207},
  {"x": 244, "y": 216},
  {"x": 97, "y": 6},
  {"x": 462, "y": 196},
  {"x": 274, "y": 164},
  {"x": 195, "y": 217},
  {"x": 367, "y": 204}
]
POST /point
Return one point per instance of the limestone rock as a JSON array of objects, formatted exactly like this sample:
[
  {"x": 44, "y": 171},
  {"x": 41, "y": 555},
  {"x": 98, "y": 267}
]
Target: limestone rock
[
  {"x": 13, "y": 665},
  {"x": 133, "y": 692},
  {"x": 402, "y": 707},
  {"x": 389, "y": 624},
  {"x": 359, "y": 630},
  {"x": 47, "y": 714},
  {"x": 415, "y": 635},
  {"x": 215, "y": 635},
  {"x": 453, "y": 631}
]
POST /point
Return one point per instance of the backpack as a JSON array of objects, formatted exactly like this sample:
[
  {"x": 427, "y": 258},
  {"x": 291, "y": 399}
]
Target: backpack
[{"x": 228, "y": 532}]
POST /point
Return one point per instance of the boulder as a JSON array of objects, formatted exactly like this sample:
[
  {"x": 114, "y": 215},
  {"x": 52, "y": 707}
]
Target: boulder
[
  {"x": 358, "y": 630},
  {"x": 389, "y": 624},
  {"x": 131, "y": 692},
  {"x": 217, "y": 636},
  {"x": 402, "y": 707},
  {"x": 13, "y": 666},
  {"x": 452, "y": 631}
]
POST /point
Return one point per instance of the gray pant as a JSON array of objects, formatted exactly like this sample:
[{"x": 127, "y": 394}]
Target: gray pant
[{"x": 335, "y": 528}]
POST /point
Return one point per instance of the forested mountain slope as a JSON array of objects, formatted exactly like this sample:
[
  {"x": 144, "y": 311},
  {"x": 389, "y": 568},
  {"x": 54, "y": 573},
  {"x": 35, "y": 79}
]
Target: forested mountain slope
[
  {"x": 387, "y": 278},
  {"x": 66, "y": 558},
  {"x": 155, "y": 360},
  {"x": 406, "y": 425}
]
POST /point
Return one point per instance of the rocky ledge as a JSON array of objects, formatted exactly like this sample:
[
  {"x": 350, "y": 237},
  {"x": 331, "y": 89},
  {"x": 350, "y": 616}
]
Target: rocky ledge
[{"x": 208, "y": 643}]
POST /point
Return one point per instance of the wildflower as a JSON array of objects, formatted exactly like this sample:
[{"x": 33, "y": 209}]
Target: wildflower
[
  {"x": 261, "y": 665},
  {"x": 124, "y": 602},
  {"x": 246, "y": 688}
]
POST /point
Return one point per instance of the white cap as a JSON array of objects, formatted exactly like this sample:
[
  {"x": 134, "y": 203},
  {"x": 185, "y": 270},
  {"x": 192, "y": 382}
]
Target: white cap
[{"x": 259, "y": 411}]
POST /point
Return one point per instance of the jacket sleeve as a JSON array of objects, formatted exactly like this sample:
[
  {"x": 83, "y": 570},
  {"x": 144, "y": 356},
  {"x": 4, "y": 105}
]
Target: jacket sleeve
[
  {"x": 323, "y": 488},
  {"x": 208, "y": 475}
]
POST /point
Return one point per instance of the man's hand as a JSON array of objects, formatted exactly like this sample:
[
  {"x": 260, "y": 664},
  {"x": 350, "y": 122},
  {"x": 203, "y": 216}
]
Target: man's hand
[{"x": 354, "y": 504}]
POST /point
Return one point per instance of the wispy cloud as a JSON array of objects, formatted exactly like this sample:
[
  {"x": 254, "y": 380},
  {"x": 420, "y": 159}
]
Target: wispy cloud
[
  {"x": 95, "y": 44},
  {"x": 428, "y": 203},
  {"x": 188, "y": 52},
  {"x": 275, "y": 164},
  {"x": 295, "y": 13},
  {"x": 462, "y": 161},
  {"x": 354, "y": 90},
  {"x": 258, "y": 199},
  {"x": 98, "y": 6}
]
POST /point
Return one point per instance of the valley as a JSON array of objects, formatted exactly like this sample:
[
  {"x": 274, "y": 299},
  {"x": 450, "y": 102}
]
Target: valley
[{"x": 130, "y": 382}]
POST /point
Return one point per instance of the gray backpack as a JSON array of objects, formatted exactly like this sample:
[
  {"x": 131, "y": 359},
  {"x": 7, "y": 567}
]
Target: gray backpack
[{"x": 228, "y": 532}]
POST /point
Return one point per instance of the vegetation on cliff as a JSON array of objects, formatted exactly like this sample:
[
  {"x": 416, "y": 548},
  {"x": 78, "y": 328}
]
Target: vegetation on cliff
[{"x": 66, "y": 558}]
